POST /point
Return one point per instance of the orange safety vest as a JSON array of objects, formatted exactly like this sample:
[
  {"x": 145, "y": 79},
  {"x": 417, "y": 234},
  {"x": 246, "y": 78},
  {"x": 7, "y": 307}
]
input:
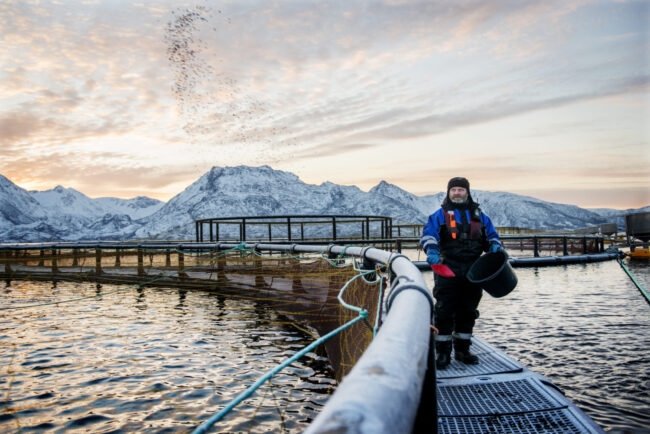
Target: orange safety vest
[{"x": 455, "y": 229}]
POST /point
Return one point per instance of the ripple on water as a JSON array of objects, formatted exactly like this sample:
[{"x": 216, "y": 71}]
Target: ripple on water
[
  {"x": 587, "y": 333},
  {"x": 168, "y": 372},
  {"x": 151, "y": 366},
  {"x": 86, "y": 421},
  {"x": 45, "y": 426}
]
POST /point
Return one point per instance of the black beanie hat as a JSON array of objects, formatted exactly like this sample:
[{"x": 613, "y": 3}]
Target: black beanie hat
[{"x": 458, "y": 182}]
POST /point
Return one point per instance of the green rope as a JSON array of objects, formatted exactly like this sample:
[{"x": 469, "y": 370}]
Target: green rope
[
  {"x": 335, "y": 262},
  {"x": 363, "y": 314},
  {"x": 637, "y": 284},
  {"x": 340, "y": 296},
  {"x": 345, "y": 248},
  {"x": 205, "y": 426}
]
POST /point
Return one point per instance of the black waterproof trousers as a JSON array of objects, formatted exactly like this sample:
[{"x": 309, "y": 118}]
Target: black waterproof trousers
[{"x": 457, "y": 301}]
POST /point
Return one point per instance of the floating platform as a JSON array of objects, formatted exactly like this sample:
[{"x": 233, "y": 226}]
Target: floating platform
[
  {"x": 545, "y": 261},
  {"x": 499, "y": 395}
]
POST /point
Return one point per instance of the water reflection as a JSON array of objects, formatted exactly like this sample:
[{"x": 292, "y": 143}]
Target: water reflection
[
  {"x": 583, "y": 326},
  {"x": 182, "y": 295},
  {"x": 168, "y": 361}
]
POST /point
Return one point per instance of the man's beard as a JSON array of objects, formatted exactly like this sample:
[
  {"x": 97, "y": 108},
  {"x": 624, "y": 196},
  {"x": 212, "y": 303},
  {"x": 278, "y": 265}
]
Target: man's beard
[{"x": 459, "y": 201}]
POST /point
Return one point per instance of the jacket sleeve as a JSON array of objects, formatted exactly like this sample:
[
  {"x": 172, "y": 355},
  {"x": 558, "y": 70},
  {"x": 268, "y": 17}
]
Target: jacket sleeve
[
  {"x": 490, "y": 232},
  {"x": 430, "y": 233}
]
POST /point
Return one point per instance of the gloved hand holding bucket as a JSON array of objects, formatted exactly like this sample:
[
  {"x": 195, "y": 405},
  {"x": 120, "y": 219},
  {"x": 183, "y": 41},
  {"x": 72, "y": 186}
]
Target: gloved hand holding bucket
[{"x": 493, "y": 272}]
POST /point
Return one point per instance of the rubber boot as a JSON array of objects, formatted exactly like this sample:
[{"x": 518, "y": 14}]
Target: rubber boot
[
  {"x": 443, "y": 354},
  {"x": 462, "y": 353}
]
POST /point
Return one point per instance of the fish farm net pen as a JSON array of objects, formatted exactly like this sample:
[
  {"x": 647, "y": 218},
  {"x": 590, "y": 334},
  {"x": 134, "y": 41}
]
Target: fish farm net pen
[
  {"x": 363, "y": 314},
  {"x": 328, "y": 291},
  {"x": 137, "y": 285}
]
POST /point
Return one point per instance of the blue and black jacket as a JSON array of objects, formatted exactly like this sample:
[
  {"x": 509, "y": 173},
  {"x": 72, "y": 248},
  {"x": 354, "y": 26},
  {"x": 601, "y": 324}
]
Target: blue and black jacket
[{"x": 459, "y": 233}]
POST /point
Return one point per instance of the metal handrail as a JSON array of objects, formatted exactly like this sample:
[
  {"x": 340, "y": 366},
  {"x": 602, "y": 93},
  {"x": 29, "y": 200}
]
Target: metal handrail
[
  {"x": 291, "y": 221},
  {"x": 294, "y": 216}
]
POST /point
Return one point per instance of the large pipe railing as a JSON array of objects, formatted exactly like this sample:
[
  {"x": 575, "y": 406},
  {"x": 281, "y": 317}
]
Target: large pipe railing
[
  {"x": 203, "y": 245},
  {"x": 382, "y": 392}
]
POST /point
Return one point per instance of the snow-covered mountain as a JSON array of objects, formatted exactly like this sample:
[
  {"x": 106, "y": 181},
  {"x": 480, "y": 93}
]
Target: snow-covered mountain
[
  {"x": 608, "y": 212},
  {"x": 617, "y": 215},
  {"x": 424, "y": 204},
  {"x": 262, "y": 191},
  {"x": 17, "y": 206},
  {"x": 528, "y": 212},
  {"x": 66, "y": 214},
  {"x": 68, "y": 201},
  {"x": 505, "y": 209},
  {"x": 136, "y": 208}
]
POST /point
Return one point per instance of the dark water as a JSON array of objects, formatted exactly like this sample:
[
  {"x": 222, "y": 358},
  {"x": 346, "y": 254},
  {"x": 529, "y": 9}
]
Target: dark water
[
  {"x": 166, "y": 359},
  {"x": 150, "y": 360},
  {"x": 587, "y": 329}
]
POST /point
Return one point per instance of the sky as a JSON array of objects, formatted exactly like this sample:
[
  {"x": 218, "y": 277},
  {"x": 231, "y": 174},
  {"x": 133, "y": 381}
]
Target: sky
[{"x": 124, "y": 98}]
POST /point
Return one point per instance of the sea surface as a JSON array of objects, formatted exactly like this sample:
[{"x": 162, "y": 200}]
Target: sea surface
[
  {"x": 165, "y": 360},
  {"x": 586, "y": 328}
]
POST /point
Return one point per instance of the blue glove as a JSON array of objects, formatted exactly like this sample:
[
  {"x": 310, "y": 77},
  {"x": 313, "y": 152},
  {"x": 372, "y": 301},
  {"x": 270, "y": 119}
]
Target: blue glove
[
  {"x": 496, "y": 247},
  {"x": 433, "y": 257}
]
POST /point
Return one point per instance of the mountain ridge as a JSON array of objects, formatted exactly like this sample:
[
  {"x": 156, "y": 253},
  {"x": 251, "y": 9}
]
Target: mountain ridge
[{"x": 64, "y": 213}]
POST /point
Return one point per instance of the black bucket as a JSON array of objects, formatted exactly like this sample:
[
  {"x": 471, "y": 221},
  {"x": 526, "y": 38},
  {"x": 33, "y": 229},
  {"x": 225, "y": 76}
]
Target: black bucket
[{"x": 493, "y": 273}]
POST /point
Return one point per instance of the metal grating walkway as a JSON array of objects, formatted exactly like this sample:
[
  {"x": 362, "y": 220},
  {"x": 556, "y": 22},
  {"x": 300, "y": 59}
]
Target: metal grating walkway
[
  {"x": 491, "y": 398},
  {"x": 499, "y": 395},
  {"x": 493, "y": 361},
  {"x": 553, "y": 421}
]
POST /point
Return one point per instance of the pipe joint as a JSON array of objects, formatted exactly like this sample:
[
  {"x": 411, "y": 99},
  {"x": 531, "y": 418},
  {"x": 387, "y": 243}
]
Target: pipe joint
[
  {"x": 407, "y": 286},
  {"x": 392, "y": 258}
]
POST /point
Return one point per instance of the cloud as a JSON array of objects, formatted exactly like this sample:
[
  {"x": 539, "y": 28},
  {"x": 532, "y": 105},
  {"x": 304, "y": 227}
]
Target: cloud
[
  {"x": 284, "y": 45},
  {"x": 320, "y": 151},
  {"x": 496, "y": 109},
  {"x": 96, "y": 176},
  {"x": 20, "y": 131},
  {"x": 258, "y": 72},
  {"x": 239, "y": 53},
  {"x": 17, "y": 127},
  {"x": 292, "y": 81}
]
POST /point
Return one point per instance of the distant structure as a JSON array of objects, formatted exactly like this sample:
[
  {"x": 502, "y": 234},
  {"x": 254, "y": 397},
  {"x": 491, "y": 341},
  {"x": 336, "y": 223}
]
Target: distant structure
[
  {"x": 293, "y": 228},
  {"x": 637, "y": 227}
]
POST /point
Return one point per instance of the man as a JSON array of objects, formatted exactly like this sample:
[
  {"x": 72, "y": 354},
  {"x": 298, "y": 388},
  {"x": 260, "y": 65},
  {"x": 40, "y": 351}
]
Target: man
[{"x": 456, "y": 235}]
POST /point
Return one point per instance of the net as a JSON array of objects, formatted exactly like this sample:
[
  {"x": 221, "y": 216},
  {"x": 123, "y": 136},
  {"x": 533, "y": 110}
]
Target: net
[{"x": 303, "y": 288}]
